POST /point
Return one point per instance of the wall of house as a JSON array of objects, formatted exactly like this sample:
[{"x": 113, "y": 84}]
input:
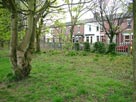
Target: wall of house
[
  {"x": 78, "y": 32},
  {"x": 92, "y": 32},
  {"x": 127, "y": 31}
]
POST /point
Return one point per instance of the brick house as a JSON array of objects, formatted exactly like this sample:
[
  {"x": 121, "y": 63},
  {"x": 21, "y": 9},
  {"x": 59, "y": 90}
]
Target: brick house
[
  {"x": 78, "y": 33},
  {"x": 57, "y": 32},
  {"x": 127, "y": 35},
  {"x": 89, "y": 30},
  {"x": 125, "y": 32}
]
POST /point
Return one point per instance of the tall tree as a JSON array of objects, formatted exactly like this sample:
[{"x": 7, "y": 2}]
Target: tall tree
[
  {"x": 134, "y": 50},
  {"x": 21, "y": 53},
  {"x": 43, "y": 18},
  {"x": 76, "y": 10},
  {"x": 110, "y": 15}
]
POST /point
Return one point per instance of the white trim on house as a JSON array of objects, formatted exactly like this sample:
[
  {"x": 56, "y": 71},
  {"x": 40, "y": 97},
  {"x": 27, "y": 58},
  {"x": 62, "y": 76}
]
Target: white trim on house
[
  {"x": 92, "y": 32},
  {"x": 127, "y": 37}
]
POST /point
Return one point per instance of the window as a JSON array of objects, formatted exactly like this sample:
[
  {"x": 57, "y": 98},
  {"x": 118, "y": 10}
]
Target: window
[
  {"x": 76, "y": 38},
  {"x": 97, "y": 28},
  {"x": 128, "y": 23},
  {"x": 102, "y": 38},
  {"x": 87, "y": 39},
  {"x": 97, "y": 38},
  {"x": 80, "y": 38},
  {"x": 127, "y": 38},
  {"x": 89, "y": 27}
]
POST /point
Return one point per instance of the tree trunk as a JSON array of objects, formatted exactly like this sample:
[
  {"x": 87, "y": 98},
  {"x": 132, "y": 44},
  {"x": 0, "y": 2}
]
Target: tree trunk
[
  {"x": 60, "y": 42},
  {"x": 37, "y": 42},
  {"x": 134, "y": 51},
  {"x": 13, "y": 41},
  {"x": 111, "y": 38},
  {"x": 39, "y": 29},
  {"x": 71, "y": 33},
  {"x": 21, "y": 56}
]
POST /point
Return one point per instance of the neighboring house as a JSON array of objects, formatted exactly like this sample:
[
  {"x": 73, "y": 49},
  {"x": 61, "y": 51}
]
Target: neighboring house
[
  {"x": 92, "y": 31},
  {"x": 89, "y": 30},
  {"x": 78, "y": 34},
  {"x": 127, "y": 35},
  {"x": 123, "y": 29}
]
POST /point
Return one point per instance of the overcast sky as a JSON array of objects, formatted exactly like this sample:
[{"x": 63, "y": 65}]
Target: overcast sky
[{"x": 88, "y": 15}]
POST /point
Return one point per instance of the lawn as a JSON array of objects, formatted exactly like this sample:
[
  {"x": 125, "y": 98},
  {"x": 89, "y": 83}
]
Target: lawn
[{"x": 70, "y": 77}]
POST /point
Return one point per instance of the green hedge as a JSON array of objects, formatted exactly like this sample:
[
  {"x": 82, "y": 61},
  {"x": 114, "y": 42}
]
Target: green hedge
[
  {"x": 111, "y": 48},
  {"x": 99, "y": 47},
  {"x": 86, "y": 46},
  {"x": 76, "y": 46}
]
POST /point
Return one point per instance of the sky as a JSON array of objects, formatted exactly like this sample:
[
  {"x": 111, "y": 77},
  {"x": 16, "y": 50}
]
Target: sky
[{"x": 88, "y": 15}]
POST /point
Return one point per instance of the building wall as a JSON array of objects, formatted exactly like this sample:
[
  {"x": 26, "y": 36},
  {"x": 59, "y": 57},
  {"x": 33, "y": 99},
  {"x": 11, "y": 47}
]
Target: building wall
[
  {"x": 125, "y": 30},
  {"x": 78, "y": 32},
  {"x": 92, "y": 32}
]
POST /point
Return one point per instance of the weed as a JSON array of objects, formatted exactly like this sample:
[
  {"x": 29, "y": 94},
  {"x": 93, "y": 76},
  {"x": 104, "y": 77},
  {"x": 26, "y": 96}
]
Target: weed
[{"x": 72, "y": 77}]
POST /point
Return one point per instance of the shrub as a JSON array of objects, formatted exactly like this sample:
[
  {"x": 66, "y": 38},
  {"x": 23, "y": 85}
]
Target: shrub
[
  {"x": 99, "y": 47},
  {"x": 76, "y": 46},
  {"x": 71, "y": 53},
  {"x": 83, "y": 53},
  {"x": 111, "y": 48},
  {"x": 86, "y": 46},
  {"x": 68, "y": 46}
]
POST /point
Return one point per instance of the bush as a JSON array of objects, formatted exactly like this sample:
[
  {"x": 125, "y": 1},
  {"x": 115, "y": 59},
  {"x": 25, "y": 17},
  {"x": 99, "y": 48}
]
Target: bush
[
  {"x": 71, "y": 53},
  {"x": 86, "y": 46},
  {"x": 76, "y": 46},
  {"x": 112, "y": 47},
  {"x": 68, "y": 46},
  {"x": 99, "y": 47}
]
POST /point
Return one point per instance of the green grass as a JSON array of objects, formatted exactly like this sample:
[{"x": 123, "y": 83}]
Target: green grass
[{"x": 64, "y": 77}]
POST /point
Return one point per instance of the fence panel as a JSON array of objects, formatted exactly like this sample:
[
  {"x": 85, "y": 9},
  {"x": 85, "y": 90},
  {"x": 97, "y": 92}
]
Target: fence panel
[{"x": 124, "y": 48}]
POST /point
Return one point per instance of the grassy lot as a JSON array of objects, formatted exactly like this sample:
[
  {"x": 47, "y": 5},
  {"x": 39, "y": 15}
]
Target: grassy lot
[{"x": 70, "y": 77}]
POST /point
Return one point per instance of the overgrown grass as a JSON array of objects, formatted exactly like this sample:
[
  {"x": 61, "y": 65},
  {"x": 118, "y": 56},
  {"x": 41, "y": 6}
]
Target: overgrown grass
[{"x": 62, "y": 77}]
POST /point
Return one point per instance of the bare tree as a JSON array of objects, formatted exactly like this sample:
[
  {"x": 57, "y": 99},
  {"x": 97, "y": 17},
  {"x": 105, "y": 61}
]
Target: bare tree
[
  {"x": 76, "y": 10},
  {"x": 110, "y": 16},
  {"x": 42, "y": 20}
]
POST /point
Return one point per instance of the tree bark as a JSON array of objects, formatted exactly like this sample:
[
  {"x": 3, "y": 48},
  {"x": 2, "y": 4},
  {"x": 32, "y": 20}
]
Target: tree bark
[
  {"x": 134, "y": 51},
  {"x": 39, "y": 29},
  {"x": 13, "y": 41},
  {"x": 38, "y": 42},
  {"x": 21, "y": 56},
  {"x": 71, "y": 33},
  {"x": 111, "y": 39},
  {"x": 24, "y": 53}
]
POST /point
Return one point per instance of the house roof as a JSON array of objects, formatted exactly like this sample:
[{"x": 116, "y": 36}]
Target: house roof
[{"x": 120, "y": 15}]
